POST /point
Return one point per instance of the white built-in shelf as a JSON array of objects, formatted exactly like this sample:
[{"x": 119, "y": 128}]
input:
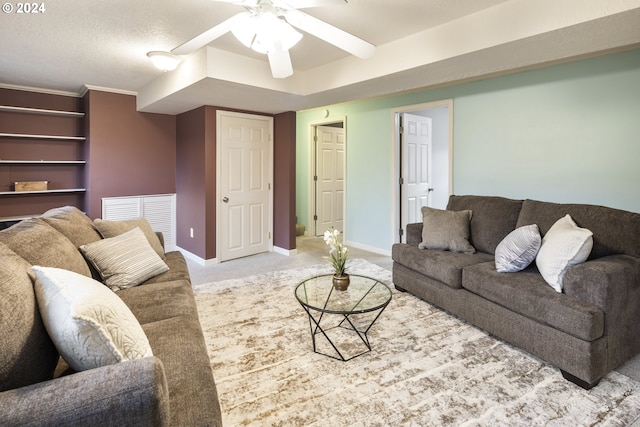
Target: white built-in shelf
[
  {"x": 30, "y": 136},
  {"x": 43, "y": 162},
  {"x": 64, "y": 190},
  {"x": 25, "y": 110}
]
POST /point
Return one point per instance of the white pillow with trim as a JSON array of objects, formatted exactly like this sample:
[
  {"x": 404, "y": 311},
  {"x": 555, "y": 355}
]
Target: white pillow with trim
[
  {"x": 564, "y": 245},
  {"x": 89, "y": 325}
]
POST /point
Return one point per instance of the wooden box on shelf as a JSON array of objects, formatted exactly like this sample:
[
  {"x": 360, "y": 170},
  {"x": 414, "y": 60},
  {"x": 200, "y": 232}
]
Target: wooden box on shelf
[{"x": 31, "y": 185}]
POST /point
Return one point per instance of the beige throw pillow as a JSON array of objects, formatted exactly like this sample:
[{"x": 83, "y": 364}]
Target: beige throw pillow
[
  {"x": 124, "y": 261},
  {"x": 89, "y": 325},
  {"x": 115, "y": 228},
  {"x": 564, "y": 245},
  {"x": 446, "y": 230}
]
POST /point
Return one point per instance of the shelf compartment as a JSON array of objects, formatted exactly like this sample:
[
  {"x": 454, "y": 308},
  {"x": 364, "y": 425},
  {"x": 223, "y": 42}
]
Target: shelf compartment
[
  {"x": 64, "y": 190},
  {"x": 43, "y": 162},
  {"x": 43, "y": 111},
  {"x": 29, "y": 136}
]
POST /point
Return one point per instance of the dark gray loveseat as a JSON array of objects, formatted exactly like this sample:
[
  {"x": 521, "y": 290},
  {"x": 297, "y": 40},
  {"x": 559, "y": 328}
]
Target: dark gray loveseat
[
  {"x": 589, "y": 329},
  {"x": 173, "y": 387}
]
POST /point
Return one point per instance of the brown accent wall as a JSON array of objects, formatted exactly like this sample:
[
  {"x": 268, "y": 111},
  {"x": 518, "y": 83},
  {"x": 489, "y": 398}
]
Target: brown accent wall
[
  {"x": 284, "y": 180},
  {"x": 129, "y": 153},
  {"x": 196, "y": 181}
]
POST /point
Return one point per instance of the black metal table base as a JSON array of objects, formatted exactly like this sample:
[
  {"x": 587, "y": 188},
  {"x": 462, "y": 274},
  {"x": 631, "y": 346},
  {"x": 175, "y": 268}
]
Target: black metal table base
[{"x": 345, "y": 324}]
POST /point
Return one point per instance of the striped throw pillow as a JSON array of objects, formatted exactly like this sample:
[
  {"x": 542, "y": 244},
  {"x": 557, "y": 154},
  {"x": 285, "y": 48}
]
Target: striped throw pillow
[{"x": 124, "y": 261}]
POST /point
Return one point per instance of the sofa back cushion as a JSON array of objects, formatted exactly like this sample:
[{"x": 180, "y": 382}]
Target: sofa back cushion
[
  {"x": 27, "y": 355},
  {"x": 614, "y": 231},
  {"x": 40, "y": 244},
  {"x": 73, "y": 224},
  {"x": 492, "y": 219}
]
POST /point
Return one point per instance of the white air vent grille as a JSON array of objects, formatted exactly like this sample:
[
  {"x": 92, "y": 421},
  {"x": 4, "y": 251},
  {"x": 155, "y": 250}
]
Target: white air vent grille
[{"x": 159, "y": 211}]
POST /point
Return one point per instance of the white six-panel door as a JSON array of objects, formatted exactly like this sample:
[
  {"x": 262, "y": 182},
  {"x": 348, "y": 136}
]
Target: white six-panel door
[
  {"x": 416, "y": 167},
  {"x": 330, "y": 174},
  {"x": 244, "y": 193}
]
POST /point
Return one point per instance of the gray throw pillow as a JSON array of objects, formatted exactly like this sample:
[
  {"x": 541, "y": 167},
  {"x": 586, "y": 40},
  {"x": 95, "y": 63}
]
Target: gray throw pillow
[
  {"x": 446, "y": 230},
  {"x": 518, "y": 249}
]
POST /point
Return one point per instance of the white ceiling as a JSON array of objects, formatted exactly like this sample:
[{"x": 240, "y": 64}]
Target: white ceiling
[{"x": 420, "y": 43}]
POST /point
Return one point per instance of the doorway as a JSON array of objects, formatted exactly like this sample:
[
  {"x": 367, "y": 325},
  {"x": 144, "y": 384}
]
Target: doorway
[
  {"x": 328, "y": 180},
  {"x": 244, "y": 165},
  {"x": 423, "y": 141}
]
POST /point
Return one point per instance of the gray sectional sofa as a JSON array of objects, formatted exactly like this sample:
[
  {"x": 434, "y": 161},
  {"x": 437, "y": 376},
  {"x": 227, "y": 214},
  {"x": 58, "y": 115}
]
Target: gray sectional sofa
[
  {"x": 587, "y": 330},
  {"x": 175, "y": 386}
]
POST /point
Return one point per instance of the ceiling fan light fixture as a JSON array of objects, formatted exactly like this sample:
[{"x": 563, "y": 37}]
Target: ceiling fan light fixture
[
  {"x": 265, "y": 32},
  {"x": 164, "y": 61}
]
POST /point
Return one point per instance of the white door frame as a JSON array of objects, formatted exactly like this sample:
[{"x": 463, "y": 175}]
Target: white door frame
[
  {"x": 219, "y": 201},
  {"x": 311, "y": 202},
  {"x": 396, "y": 167}
]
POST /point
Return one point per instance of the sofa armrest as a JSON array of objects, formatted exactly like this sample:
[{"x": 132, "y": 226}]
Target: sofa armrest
[
  {"x": 414, "y": 234},
  {"x": 606, "y": 282},
  {"x": 161, "y": 238},
  {"x": 128, "y": 393}
]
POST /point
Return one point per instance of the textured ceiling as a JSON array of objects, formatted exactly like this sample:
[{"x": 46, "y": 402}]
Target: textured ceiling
[{"x": 103, "y": 44}]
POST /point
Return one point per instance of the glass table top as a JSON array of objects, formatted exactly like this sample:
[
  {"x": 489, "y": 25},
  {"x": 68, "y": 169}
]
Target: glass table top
[{"x": 363, "y": 295}]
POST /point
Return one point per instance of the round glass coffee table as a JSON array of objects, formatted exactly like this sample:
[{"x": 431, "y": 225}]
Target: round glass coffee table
[{"x": 339, "y": 316}]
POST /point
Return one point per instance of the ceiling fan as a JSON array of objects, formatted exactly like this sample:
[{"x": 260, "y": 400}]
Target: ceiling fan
[{"x": 267, "y": 26}]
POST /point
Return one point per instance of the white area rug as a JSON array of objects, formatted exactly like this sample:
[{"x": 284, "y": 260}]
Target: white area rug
[{"x": 427, "y": 368}]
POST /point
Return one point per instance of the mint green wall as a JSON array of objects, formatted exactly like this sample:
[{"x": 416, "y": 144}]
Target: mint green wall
[{"x": 564, "y": 133}]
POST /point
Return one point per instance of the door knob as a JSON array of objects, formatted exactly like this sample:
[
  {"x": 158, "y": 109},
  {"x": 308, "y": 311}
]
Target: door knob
[{"x": 225, "y": 199}]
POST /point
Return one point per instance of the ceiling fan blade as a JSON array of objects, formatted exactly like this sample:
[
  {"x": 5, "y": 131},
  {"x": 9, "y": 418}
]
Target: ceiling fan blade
[
  {"x": 240, "y": 2},
  {"x": 301, "y": 4},
  {"x": 208, "y": 36},
  {"x": 280, "y": 63},
  {"x": 327, "y": 32}
]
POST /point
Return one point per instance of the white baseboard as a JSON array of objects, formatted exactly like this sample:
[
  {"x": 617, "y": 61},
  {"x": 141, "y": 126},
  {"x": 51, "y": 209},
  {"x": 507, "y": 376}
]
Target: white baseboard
[
  {"x": 282, "y": 251},
  {"x": 368, "y": 248},
  {"x": 195, "y": 258}
]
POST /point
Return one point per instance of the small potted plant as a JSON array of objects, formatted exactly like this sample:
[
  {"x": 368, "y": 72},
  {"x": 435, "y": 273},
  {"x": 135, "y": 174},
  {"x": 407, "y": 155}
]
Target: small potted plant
[{"x": 338, "y": 256}]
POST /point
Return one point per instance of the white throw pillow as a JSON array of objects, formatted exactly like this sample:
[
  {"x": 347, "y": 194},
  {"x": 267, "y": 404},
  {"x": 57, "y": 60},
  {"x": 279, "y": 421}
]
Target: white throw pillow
[
  {"x": 89, "y": 325},
  {"x": 564, "y": 245},
  {"x": 518, "y": 249},
  {"x": 124, "y": 261}
]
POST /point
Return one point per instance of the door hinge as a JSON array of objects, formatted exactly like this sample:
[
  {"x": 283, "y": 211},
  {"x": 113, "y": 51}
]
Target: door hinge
[
  {"x": 315, "y": 177},
  {"x": 401, "y": 232},
  {"x": 401, "y": 130},
  {"x": 401, "y": 181},
  {"x": 315, "y": 217},
  {"x": 269, "y": 186},
  {"x": 269, "y": 235},
  {"x": 315, "y": 138}
]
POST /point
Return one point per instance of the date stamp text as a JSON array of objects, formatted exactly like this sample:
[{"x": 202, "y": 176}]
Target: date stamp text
[{"x": 24, "y": 8}]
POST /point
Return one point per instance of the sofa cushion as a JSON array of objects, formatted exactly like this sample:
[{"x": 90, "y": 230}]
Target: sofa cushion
[
  {"x": 125, "y": 260},
  {"x": 564, "y": 245},
  {"x": 40, "y": 244},
  {"x": 27, "y": 355},
  {"x": 446, "y": 230},
  {"x": 90, "y": 325},
  {"x": 157, "y": 301},
  {"x": 178, "y": 269},
  {"x": 526, "y": 293},
  {"x": 73, "y": 224},
  {"x": 493, "y": 218},
  {"x": 611, "y": 227},
  {"x": 518, "y": 249},
  {"x": 179, "y": 343},
  {"x": 114, "y": 228},
  {"x": 444, "y": 266}
]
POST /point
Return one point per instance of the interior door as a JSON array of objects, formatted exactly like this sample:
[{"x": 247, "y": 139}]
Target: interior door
[
  {"x": 416, "y": 168},
  {"x": 330, "y": 175},
  {"x": 244, "y": 205}
]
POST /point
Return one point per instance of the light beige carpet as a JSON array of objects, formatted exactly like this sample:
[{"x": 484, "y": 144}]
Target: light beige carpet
[{"x": 427, "y": 368}]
